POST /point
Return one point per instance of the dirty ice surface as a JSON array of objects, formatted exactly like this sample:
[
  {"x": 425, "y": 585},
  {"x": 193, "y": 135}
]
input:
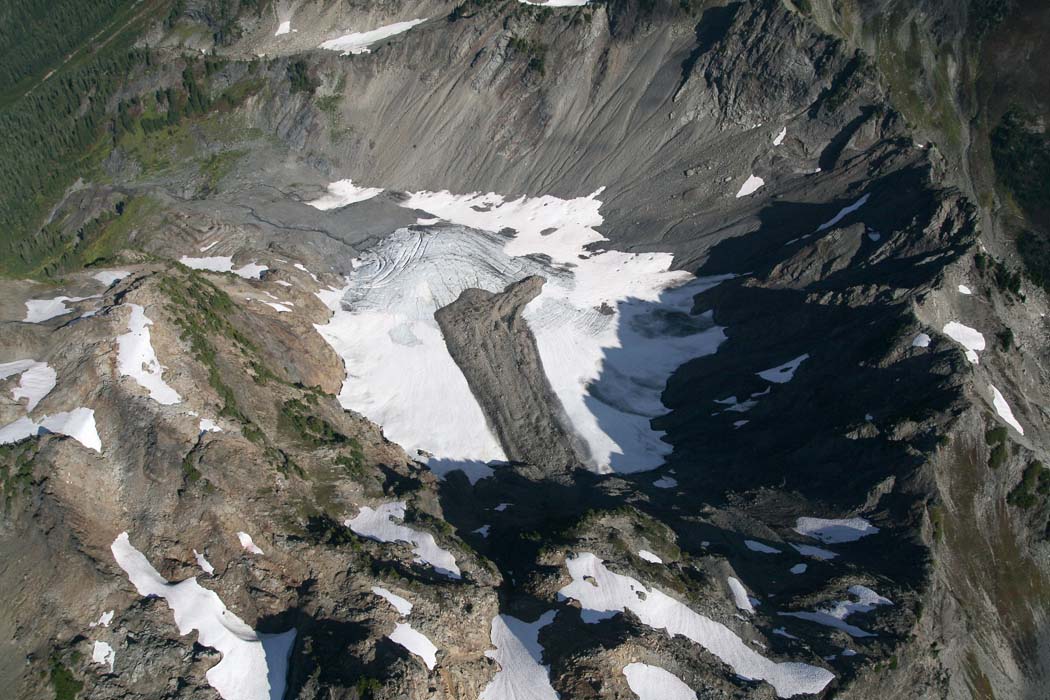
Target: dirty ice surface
[
  {"x": 603, "y": 594},
  {"x": 521, "y": 674},
  {"x": 253, "y": 666},
  {"x": 610, "y": 327},
  {"x": 361, "y": 42}
]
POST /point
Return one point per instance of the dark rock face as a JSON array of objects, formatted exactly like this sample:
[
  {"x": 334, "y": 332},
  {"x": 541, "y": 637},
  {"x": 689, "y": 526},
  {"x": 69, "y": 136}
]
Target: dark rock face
[{"x": 493, "y": 346}]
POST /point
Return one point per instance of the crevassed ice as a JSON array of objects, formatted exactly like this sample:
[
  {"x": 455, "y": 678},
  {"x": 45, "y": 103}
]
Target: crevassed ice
[
  {"x": 137, "y": 359},
  {"x": 253, "y": 667},
  {"x": 378, "y": 524},
  {"x": 654, "y": 683},
  {"x": 361, "y": 42},
  {"x": 610, "y": 328},
  {"x": 521, "y": 674},
  {"x": 602, "y": 594}
]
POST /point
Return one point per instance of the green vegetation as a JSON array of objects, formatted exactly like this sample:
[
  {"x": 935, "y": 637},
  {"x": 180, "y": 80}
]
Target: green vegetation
[
  {"x": 200, "y": 309},
  {"x": 16, "y": 469},
  {"x": 36, "y": 35},
  {"x": 366, "y": 688},
  {"x": 64, "y": 683},
  {"x": 1033, "y": 488},
  {"x": 1021, "y": 154},
  {"x": 300, "y": 78},
  {"x": 535, "y": 51},
  {"x": 297, "y": 419},
  {"x": 996, "y": 439},
  {"x": 1005, "y": 280}
]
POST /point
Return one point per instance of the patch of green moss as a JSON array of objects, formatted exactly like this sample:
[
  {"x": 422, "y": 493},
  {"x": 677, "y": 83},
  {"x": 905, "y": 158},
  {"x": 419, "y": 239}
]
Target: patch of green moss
[
  {"x": 1033, "y": 488},
  {"x": 297, "y": 419},
  {"x": 63, "y": 682}
]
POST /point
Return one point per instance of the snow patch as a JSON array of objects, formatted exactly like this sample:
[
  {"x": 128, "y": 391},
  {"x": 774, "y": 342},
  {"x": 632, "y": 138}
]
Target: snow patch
[
  {"x": 922, "y": 340},
  {"x": 835, "y": 615},
  {"x": 136, "y": 359},
  {"x": 36, "y": 381},
  {"x": 963, "y": 289},
  {"x": 483, "y": 530},
  {"x": 342, "y": 193},
  {"x": 654, "y": 683},
  {"x": 970, "y": 338},
  {"x": 649, "y": 556},
  {"x": 415, "y": 642},
  {"x": 740, "y": 596},
  {"x": 844, "y": 212},
  {"x": 40, "y": 310},
  {"x": 203, "y": 563},
  {"x": 224, "y": 263},
  {"x": 750, "y": 186},
  {"x": 779, "y": 138},
  {"x": 833, "y": 531},
  {"x": 103, "y": 653},
  {"x": 78, "y": 424},
  {"x": 798, "y": 569},
  {"x": 284, "y": 28},
  {"x": 253, "y": 667},
  {"x": 808, "y": 550},
  {"x": 782, "y": 374},
  {"x": 361, "y": 42},
  {"x": 103, "y": 620},
  {"x": 246, "y": 542},
  {"x": 207, "y": 425},
  {"x": 602, "y": 594},
  {"x": 665, "y": 482},
  {"x": 1004, "y": 411},
  {"x": 522, "y": 674},
  {"x": 400, "y": 604},
  {"x": 108, "y": 277},
  {"x": 379, "y": 525},
  {"x": 760, "y": 547}
]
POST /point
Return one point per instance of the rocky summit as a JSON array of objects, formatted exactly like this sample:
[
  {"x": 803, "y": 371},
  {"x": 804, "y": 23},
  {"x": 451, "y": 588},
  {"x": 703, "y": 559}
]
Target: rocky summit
[{"x": 524, "y": 349}]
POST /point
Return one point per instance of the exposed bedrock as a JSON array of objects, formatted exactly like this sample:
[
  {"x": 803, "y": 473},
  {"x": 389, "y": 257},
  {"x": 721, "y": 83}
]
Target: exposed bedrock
[{"x": 493, "y": 346}]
